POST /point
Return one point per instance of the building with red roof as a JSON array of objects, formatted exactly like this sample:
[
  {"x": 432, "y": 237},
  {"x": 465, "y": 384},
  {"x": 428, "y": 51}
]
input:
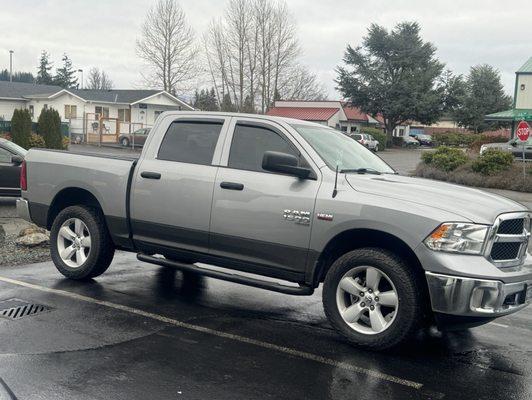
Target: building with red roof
[{"x": 334, "y": 113}]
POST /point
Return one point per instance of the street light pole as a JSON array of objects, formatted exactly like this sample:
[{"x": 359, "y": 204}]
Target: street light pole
[
  {"x": 11, "y": 65},
  {"x": 80, "y": 70}
]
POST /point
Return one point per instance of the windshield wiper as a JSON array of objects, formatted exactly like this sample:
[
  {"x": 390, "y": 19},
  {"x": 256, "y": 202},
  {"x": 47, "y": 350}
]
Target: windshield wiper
[{"x": 361, "y": 171}]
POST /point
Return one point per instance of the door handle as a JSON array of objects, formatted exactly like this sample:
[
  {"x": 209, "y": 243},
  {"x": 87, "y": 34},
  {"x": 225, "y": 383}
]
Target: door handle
[
  {"x": 150, "y": 175},
  {"x": 232, "y": 186}
]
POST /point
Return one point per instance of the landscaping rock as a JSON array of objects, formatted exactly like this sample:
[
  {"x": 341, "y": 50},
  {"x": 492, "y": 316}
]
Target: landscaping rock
[
  {"x": 2, "y": 234},
  {"x": 30, "y": 230},
  {"x": 33, "y": 240}
]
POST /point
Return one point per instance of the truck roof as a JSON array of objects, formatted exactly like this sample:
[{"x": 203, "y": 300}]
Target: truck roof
[{"x": 233, "y": 114}]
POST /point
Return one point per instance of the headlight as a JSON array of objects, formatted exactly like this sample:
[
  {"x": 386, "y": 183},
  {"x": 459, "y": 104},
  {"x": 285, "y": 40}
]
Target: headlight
[{"x": 458, "y": 238}]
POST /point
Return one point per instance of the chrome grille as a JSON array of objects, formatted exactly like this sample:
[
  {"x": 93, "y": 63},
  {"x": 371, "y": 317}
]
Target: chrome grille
[{"x": 508, "y": 240}]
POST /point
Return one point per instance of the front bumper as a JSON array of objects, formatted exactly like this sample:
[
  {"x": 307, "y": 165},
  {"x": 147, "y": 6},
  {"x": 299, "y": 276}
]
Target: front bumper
[
  {"x": 23, "y": 209},
  {"x": 463, "y": 296}
]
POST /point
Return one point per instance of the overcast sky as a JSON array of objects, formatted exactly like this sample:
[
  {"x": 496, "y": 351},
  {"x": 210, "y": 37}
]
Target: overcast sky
[{"x": 102, "y": 33}]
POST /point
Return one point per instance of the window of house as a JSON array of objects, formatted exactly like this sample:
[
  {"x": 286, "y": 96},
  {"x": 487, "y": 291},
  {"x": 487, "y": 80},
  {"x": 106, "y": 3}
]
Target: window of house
[
  {"x": 31, "y": 110},
  {"x": 251, "y": 142},
  {"x": 190, "y": 142},
  {"x": 45, "y": 106},
  {"x": 71, "y": 111},
  {"x": 401, "y": 131},
  {"x": 101, "y": 111},
  {"x": 124, "y": 115},
  {"x": 343, "y": 128}
]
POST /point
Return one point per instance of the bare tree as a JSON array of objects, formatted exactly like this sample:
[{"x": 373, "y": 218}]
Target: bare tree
[
  {"x": 99, "y": 80},
  {"x": 301, "y": 84},
  {"x": 167, "y": 45},
  {"x": 251, "y": 54}
]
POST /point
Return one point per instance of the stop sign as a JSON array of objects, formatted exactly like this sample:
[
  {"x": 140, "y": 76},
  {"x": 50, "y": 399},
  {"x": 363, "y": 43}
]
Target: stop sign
[{"x": 523, "y": 131}]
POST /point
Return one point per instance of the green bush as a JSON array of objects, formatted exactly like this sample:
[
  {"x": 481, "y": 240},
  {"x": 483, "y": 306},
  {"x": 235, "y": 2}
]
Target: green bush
[
  {"x": 445, "y": 158},
  {"x": 378, "y": 134},
  {"x": 492, "y": 161},
  {"x": 49, "y": 127},
  {"x": 21, "y": 127},
  {"x": 37, "y": 140},
  {"x": 454, "y": 139}
]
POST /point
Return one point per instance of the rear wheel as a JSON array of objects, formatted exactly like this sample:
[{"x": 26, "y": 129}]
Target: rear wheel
[
  {"x": 124, "y": 142},
  {"x": 373, "y": 298},
  {"x": 80, "y": 244}
]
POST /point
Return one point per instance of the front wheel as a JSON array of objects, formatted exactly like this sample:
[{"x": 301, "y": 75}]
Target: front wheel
[
  {"x": 80, "y": 244},
  {"x": 373, "y": 298}
]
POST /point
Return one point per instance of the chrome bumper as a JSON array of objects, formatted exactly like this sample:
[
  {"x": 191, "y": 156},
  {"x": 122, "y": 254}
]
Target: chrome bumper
[
  {"x": 477, "y": 297},
  {"x": 23, "y": 209}
]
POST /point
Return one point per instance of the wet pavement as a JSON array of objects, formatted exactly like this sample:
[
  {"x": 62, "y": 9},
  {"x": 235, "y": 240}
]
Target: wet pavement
[{"x": 146, "y": 332}]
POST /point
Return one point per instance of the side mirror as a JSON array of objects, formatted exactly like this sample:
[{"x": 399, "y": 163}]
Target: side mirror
[
  {"x": 284, "y": 163},
  {"x": 17, "y": 160}
]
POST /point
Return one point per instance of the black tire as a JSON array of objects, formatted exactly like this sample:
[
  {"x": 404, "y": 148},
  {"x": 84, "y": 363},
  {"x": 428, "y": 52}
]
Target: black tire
[
  {"x": 124, "y": 142},
  {"x": 409, "y": 312},
  {"x": 102, "y": 248}
]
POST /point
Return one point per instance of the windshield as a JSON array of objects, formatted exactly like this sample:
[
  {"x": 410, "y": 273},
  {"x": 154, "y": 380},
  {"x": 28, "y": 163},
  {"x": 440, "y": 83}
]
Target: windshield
[
  {"x": 337, "y": 149},
  {"x": 15, "y": 148}
]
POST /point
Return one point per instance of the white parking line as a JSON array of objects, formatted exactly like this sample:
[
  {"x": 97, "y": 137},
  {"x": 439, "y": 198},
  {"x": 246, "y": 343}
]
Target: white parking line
[
  {"x": 497, "y": 324},
  {"x": 238, "y": 338}
]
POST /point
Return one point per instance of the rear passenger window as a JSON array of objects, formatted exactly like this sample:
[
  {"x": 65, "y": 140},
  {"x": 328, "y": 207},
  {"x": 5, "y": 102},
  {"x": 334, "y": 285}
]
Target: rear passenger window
[
  {"x": 251, "y": 142},
  {"x": 190, "y": 142}
]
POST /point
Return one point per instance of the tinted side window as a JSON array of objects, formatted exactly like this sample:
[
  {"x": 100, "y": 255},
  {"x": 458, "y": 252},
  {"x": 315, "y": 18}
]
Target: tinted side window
[
  {"x": 190, "y": 142},
  {"x": 5, "y": 156},
  {"x": 251, "y": 142}
]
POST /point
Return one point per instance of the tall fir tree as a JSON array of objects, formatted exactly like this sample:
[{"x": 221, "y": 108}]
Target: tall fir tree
[
  {"x": 43, "y": 70},
  {"x": 21, "y": 127},
  {"x": 66, "y": 75},
  {"x": 49, "y": 127}
]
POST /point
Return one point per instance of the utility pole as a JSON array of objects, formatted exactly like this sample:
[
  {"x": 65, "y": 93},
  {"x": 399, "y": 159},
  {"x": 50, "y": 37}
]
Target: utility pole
[
  {"x": 80, "y": 70},
  {"x": 11, "y": 65}
]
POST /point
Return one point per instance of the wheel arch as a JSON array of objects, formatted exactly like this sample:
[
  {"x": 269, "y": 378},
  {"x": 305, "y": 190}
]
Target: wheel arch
[
  {"x": 357, "y": 238},
  {"x": 67, "y": 197}
]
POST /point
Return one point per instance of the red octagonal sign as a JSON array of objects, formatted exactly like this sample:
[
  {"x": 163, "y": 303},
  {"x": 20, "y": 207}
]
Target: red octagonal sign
[{"x": 523, "y": 131}]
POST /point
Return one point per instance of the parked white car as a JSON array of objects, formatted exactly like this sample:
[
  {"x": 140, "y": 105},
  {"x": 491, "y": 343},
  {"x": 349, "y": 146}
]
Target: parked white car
[{"x": 367, "y": 140}]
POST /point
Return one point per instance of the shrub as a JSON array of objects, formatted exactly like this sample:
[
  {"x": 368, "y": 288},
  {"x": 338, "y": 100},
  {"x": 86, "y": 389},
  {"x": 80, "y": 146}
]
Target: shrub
[
  {"x": 5, "y": 135},
  {"x": 378, "y": 134},
  {"x": 37, "y": 140},
  {"x": 492, "y": 161},
  {"x": 454, "y": 139},
  {"x": 445, "y": 158},
  {"x": 49, "y": 127},
  {"x": 21, "y": 127},
  {"x": 66, "y": 142}
]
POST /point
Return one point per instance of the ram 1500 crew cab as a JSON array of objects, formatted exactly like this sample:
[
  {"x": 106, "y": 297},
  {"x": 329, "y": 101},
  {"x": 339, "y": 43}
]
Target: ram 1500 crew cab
[{"x": 291, "y": 200}]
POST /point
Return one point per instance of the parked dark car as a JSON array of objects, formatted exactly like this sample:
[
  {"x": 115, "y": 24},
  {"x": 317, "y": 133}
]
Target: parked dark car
[
  {"x": 424, "y": 140},
  {"x": 138, "y": 137},
  {"x": 11, "y": 157},
  {"x": 409, "y": 141}
]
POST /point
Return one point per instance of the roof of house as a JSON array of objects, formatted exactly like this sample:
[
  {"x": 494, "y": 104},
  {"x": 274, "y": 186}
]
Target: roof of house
[
  {"x": 305, "y": 113},
  {"x": 354, "y": 113},
  {"x": 526, "y": 67},
  {"x": 20, "y": 91}
]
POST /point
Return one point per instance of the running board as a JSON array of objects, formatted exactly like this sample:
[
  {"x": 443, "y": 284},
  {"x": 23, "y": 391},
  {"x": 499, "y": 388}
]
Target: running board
[{"x": 225, "y": 276}]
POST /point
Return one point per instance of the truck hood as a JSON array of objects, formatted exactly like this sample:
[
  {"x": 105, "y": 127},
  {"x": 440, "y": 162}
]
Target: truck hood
[{"x": 473, "y": 204}]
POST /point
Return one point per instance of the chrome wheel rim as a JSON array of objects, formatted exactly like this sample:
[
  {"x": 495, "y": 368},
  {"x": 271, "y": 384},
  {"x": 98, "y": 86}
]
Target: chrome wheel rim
[
  {"x": 367, "y": 300},
  {"x": 74, "y": 242}
]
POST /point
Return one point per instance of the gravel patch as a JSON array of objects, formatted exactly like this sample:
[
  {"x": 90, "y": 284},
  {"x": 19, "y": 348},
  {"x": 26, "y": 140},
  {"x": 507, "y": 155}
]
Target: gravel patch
[{"x": 12, "y": 254}]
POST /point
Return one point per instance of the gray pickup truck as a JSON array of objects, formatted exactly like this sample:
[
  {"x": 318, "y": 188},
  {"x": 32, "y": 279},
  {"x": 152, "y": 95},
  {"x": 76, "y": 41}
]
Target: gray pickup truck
[{"x": 290, "y": 200}]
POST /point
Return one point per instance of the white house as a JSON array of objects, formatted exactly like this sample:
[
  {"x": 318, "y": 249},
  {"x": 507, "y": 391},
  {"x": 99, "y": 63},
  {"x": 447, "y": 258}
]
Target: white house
[{"x": 116, "y": 111}]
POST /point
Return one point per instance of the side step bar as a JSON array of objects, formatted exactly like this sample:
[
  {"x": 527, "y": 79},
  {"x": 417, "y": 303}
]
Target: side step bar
[{"x": 225, "y": 276}]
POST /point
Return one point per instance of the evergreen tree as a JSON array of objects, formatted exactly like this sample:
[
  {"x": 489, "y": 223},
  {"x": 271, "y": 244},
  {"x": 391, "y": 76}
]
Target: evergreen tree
[
  {"x": 66, "y": 75},
  {"x": 49, "y": 127},
  {"x": 17, "y": 76},
  {"x": 21, "y": 127},
  {"x": 227, "y": 104},
  {"x": 212, "y": 101},
  {"x": 43, "y": 70}
]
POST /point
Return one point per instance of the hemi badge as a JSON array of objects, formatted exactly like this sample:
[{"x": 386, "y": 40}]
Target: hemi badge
[{"x": 325, "y": 217}]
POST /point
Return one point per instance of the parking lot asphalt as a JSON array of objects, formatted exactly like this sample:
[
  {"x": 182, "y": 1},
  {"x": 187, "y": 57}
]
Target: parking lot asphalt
[{"x": 141, "y": 331}]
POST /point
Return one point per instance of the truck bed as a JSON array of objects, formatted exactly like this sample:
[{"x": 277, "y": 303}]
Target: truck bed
[{"x": 107, "y": 177}]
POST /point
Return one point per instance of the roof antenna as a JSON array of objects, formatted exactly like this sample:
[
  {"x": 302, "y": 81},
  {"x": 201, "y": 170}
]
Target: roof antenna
[{"x": 335, "y": 190}]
